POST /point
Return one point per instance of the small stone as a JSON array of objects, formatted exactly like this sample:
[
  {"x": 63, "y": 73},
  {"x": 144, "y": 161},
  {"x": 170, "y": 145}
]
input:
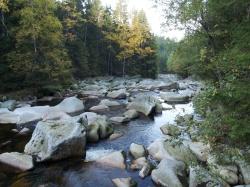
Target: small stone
[
  {"x": 115, "y": 135},
  {"x": 118, "y": 120},
  {"x": 139, "y": 163},
  {"x": 124, "y": 182},
  {"x": 171, "y": 130},
  {"x": 24, "y": 131},
  {"x": 99, "y": 108},
  {"x": 146, "y": 170}
]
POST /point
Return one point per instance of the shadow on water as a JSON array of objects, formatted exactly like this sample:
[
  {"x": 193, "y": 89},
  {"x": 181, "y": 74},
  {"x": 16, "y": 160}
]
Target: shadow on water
[{"x": 75, "y": 173}]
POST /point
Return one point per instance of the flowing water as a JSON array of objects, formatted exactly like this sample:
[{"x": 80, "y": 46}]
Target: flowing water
[{"x": 77, "y": 173}]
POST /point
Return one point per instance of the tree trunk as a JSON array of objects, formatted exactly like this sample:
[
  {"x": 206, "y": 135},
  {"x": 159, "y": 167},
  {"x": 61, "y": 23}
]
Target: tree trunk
[{"x": 123, "y": 67}]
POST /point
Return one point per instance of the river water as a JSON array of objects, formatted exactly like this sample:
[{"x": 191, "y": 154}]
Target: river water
[{"x": 78, "y": 173}]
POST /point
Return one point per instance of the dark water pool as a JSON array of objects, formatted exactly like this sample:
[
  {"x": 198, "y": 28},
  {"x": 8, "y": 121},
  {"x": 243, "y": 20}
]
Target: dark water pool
[{"x": 77, "y": 173}]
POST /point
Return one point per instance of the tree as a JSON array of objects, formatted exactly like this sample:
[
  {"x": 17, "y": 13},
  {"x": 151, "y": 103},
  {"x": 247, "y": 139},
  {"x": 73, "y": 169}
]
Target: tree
[
  {"x": 72, "y": 17},
  {"x": 216, "y": 49},
  {"x": 39, "y": 53}
]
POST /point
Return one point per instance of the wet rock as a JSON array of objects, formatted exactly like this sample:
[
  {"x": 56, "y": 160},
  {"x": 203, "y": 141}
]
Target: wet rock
[
  {"x": 171, "y": 130},
  {"x": 166, "y": 106},
  {"x": 199, "y": 176},
  {"x": 137, "y": 150},
  {"x": 118, "y": 120},
  {"x": 200, "y": 150},
  {"x": 14, "y": 130},
  {"x": 243, "y": 185},
  {"x": 109, "y": 103},
  {"x": 166, "y": 173},
  {"x": 245, "y": 171},
  {"x": 138, "y": 163},
  {"x": 10, "y": 104},
  {"x": 118, "y": 94},
  {"x": 158, "y": 108},
  {"x": 146, "y": 170},
  {"x": 124, "y": 182},
  {"x": 179, "y": 151},
  {"x": 115, "y": 136},
  {"x": 94, "y": 154},
  {"x": 70, "y": 105},
  {"x": 17, "y": 161},
  {"x": 226, "y": 172},
  {"x": 55, "y": 114},
  {"x": 115, "y": 159},
  {"x": 24, "y": 131},
  {"x": 31, "y": 114},
  {"x": 98, "y": 126},
  {"x": 131, "y": 114},
  {"x": 7, "y": 117},
  {"x": 158, "y": 151},
  {"x": 173, "y": 97},
  {"x": 56, "y": 140},
  {"x": 99, "y": 108},
  {"x": 144, "y": 104}
]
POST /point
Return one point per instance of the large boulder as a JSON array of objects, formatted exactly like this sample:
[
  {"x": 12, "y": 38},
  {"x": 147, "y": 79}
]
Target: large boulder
[
  {"x": 245, "y": 170},
  {"x": 100, "y": 128},
  {"x": 143, "y": 103},
  {"x": 16, "y": 161},
  {"x": 56, "y": 140},
  {"x": 158, "y": 151},
  {"x": 137, "y": 150},
  {"x": 173, "y": 97},
  {"x": 71, "y": 105},
  {"x": 31, "y": 114},
  {"x": 115, "y": 159},
  {"x": 167, "y": 172},
  {"x": 199, "y": 176},
  {"x": 179, "y": 151},
  {"x": 10, "y": 104},
  {"x": 118, "y": 94},
  {"x": 200, "y": 150},
  {"x": 8, "y": 117}
]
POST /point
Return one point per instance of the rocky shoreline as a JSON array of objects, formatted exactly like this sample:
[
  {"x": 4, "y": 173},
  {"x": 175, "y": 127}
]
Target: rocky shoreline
[{"x": 87, "y": 114}]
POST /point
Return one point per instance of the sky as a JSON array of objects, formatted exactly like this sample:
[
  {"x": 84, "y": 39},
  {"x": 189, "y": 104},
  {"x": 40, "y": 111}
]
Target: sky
[{"x": 154, "y": 16}]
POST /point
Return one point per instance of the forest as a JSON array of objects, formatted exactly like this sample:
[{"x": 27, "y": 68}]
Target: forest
[{"x": 174, "y": 110}]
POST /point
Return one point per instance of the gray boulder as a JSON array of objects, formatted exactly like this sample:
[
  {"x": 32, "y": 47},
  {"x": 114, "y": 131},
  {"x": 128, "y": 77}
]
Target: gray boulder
[
  {"x": 158, "y": 151},
  {"x": 99, "y": 108},
  {"x": 139, "y": 163},
  {"x": 7, "y": 117},
  {"x": 137, "y": 150},
  {"x": 245, "y": 171},
  {"x": 118, "y": 94},
  {"x": 115, "y": 159},
  {"x": 143, "y": 103},
  {"x": 109, "y": 103},
  {"x": 167, "y": 172},
  {"x": 10, "y": 104},
  {"x": 71, "y": 105},
  {"x": 16, "y": 161},
  {"x": 200, "y": 150},
  {"x": 173, "y": 97},
  {"x": 56, "y": 140}
]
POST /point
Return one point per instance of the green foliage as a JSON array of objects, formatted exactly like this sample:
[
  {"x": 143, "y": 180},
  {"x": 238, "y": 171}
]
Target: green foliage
[
  {"x": 217, "y": 50},
  {"x": 165, "y": 49}
]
